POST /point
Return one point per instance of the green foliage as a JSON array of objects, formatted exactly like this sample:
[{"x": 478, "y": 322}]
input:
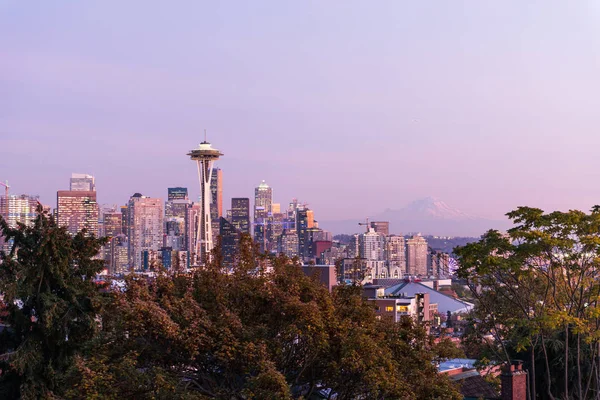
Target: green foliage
[
  {"x": 537, "y": 292},
  {"x": 262, "y": 330},
  {"x": 52, "y": 302}
]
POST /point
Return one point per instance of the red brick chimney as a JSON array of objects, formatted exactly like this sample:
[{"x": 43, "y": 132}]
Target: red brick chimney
[{"x": 514, "y": 382}]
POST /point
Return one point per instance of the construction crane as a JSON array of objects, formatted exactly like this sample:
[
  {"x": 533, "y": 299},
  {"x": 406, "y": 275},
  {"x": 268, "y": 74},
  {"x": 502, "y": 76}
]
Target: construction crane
[
  {"x": 6, "y": 187},
  {"x": 365, "y": 224}
]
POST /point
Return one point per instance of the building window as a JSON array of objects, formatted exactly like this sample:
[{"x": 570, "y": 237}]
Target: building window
[
  {"x": 402, "y": 308},
  {"x": 389, "y": 308}
]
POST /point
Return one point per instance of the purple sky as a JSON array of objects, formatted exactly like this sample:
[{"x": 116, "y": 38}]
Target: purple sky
[{"x": 353, "y": 107}]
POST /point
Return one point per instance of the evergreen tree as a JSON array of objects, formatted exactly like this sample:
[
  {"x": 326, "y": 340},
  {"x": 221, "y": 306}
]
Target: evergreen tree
[{"x": 53, "y": 304}]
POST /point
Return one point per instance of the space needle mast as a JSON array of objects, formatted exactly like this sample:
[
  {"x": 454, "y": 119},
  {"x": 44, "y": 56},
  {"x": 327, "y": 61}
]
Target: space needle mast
[{"x": 204, "y": 155}]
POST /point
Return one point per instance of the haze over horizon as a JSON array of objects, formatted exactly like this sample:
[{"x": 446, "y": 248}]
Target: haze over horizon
[{"x": 352, "y": 107}]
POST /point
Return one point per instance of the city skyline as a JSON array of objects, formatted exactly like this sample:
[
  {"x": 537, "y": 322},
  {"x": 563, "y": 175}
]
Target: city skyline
[{"x": 475, "y": 133}]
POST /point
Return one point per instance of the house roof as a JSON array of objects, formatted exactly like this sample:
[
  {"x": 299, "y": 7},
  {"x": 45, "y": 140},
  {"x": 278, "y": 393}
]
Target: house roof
[
  {"x": 473, "y": 386},
  {"x": 445, "y": 303}
]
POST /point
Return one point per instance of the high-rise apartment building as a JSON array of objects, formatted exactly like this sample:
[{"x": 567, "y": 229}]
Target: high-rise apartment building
[
  {"x": 381, "y": 227},
  {"x": 83, "y": 182},
  {"x": 145, "y": 228},
  {"x": 77, "y": 210},
  {"x": 371, "y": 246},
  {"x": 287, "y": 244},
  {"x": 240, "y": 214},
  {"x": 119, "y": 260},
  {"x": 21, "y": 209},
  {"x": 440, "y": 264},
  {"x": 395, "y": 255},
  {"x": 416, "y": 256}
]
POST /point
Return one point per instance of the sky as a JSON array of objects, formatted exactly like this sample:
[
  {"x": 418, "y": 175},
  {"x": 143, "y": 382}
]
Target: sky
[{"x": 350, "y": 106}]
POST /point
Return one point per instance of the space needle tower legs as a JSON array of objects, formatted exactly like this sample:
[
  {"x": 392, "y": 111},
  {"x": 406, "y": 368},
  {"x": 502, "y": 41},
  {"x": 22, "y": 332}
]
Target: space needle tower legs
[{"x": 205, "y": 156}]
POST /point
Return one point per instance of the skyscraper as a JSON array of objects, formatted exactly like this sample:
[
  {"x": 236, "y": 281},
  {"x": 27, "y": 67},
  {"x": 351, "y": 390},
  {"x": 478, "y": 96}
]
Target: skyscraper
[
  {"x": 145, "y": 227},
  {"x": 177, "y": 193},
  {"x": 263, "y": 200},
  {"x": 240, "y": 213},
  {"x": 77, "y": 210},
  {"x": 83, "y": 182},
  {"x": 113, "y": 223},
  {"x": 21, "y": 209},
  {"x": 216, "y": 194},
  {"x": 112, "y": 226},
  {"x": 204, "y": 155},
  {"x": 176, "y": 209},
  {"x": 395, "y": 255},
  {"x": 216, "y": 200},
  {"x": 287, "y": 243},
  {"x": 304, "y": 222},
  {"x": 230, "y": 241},
  {"x": 416, "y": 255},
  {"x": 371, "y": 245}
]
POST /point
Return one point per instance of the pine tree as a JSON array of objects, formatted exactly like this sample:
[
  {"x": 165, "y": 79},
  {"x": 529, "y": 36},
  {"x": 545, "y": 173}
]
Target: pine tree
[{"x": 52, "y": 303}]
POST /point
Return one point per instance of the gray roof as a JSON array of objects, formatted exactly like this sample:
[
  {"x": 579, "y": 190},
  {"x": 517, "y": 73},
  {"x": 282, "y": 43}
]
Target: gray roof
[{"x": 445, "y": 303}]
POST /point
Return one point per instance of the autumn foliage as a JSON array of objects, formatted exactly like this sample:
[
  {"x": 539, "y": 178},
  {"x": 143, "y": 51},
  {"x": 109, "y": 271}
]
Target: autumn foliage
[{"x": 263, "y": 330}]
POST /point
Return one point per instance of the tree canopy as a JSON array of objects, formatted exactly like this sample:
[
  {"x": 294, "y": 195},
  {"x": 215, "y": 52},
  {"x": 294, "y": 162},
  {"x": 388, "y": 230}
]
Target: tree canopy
[
  {"x": 263, "y": 330},
  {"x": 537, "y": 293}
]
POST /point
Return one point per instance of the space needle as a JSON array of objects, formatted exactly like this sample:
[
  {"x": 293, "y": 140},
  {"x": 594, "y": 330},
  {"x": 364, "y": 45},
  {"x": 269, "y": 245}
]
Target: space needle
[{"x": 205, "y": 155}]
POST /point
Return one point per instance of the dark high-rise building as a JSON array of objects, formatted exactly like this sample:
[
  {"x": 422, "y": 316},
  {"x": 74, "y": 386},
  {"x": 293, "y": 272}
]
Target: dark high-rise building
[
  {"x": 381, "y": 227},
  {"x": 230, "y": 241},
  {"x": 304, "y": 221},
  {"x": 216, "y": 199},
  {"x": 125, "y": 219},
  {"x": 177, "y": 193},
  {"x": 216, "y": 194},
  {"x": 240, "y": 213},
  {"x": 77, "y": 210}
]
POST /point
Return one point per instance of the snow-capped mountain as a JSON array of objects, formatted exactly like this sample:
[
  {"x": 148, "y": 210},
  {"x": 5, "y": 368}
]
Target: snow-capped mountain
[
  {"x": 429, "y": 208},
  {"x": 429, "y": 216}
]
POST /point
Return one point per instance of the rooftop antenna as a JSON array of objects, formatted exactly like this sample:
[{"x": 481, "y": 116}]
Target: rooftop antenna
[{"x": 205, "y": 135}]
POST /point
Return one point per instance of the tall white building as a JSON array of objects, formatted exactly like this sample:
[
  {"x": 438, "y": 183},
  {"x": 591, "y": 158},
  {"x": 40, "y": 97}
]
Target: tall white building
[
  {"x": 83, "y": 182},
  {"x": 371, "y": 245},
  {"x": 416, "y": 255},
  {"x": 145, "y": 227},
  {"x": 263, "y": 200}
]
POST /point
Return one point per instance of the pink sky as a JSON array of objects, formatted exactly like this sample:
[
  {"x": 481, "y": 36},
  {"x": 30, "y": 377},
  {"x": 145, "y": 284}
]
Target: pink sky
[{"x": 353, "y": 107}]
